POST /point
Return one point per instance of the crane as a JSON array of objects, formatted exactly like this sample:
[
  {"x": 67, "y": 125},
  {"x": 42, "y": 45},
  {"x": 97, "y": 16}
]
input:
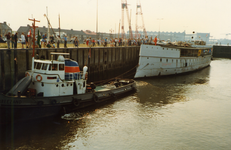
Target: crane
[
  {"x": 139, "y": 12},
  {"x": 49, "y": 23},
  {"x": 124, "y": 6}
]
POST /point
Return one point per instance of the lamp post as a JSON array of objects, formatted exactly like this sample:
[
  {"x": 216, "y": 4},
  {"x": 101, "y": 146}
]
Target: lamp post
[{"x": 159, "y": 26}]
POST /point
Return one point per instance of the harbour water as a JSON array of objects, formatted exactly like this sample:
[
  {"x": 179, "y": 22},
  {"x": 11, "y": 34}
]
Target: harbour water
[{"x": 183, "y": 112}]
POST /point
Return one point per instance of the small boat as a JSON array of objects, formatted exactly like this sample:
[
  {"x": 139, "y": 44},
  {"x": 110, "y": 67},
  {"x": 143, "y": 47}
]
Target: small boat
[{"x": 170, "y": 59}]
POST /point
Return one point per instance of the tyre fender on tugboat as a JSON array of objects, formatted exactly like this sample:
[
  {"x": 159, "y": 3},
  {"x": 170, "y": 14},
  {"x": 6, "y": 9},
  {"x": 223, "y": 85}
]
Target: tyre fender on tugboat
[
  {"x": 95, "y": 98},
  {"x": 53, "y": 102},
  {"x": 113, "y": 95},
  {"x": 75, "y": 101}
]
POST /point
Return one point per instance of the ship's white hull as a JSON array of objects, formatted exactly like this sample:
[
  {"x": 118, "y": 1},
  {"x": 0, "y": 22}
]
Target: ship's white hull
[{"x": 150, "y": 65}]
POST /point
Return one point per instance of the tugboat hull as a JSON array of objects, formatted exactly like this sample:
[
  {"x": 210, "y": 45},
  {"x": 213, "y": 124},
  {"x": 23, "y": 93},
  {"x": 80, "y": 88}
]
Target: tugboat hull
[{"x": 15, "y": 109}]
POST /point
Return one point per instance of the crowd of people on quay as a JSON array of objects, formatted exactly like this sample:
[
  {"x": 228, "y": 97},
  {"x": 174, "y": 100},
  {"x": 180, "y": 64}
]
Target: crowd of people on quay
[
  {"x": 114, "y": 42},
  {"x": 54, "y": 41}
]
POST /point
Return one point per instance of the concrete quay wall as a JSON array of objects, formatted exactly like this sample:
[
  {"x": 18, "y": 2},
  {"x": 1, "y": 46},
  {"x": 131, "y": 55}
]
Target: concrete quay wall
[
  {"x": 104, "y": 62},
  {"x": 222, "y": 51}
]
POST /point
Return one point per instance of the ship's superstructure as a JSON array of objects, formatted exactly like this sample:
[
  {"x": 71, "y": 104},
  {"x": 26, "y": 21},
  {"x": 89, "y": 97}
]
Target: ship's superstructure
[{"x": 59, "y": 77}]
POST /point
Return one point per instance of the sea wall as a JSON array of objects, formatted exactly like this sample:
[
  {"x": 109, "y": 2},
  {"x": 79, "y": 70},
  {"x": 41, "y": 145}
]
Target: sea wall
[
  {"x": 103, "y": 63},
  {"x": 222, "y": 51}
]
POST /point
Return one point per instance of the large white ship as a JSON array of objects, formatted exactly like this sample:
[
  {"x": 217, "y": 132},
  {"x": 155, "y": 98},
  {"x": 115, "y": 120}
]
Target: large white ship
[{"x": 159, "y": 60}]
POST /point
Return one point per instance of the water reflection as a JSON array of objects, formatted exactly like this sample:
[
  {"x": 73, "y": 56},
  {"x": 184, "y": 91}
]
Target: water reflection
[
  {"x": 43, "y": 134},
  {"x": 169, "y": 89}
]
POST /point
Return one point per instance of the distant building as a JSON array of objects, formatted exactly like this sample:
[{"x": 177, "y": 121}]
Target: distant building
[
  {"x": 4, "y": 29},
  {"x": 175, "y": 36}
]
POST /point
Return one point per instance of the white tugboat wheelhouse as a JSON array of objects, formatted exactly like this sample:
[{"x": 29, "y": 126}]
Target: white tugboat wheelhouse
[{"x": 59, "y": 77}]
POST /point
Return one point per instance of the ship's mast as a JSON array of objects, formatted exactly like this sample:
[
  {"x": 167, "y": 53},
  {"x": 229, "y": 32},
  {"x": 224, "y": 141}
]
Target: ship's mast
[
  {"x": 48, "y": 28},
  {"x": 59, "y": 24},
  {"x": 33, "y": 40}
]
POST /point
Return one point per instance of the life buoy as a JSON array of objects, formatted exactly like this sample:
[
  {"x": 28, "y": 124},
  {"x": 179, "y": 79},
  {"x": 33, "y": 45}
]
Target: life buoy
[
  {"x": 39, "y": 78},
  {"x": 27, "y": 74},
  {"x": 75, "y": 102}
]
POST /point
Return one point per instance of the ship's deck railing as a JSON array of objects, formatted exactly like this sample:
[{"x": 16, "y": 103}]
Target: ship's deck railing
[{"x": 74, "y": 76}]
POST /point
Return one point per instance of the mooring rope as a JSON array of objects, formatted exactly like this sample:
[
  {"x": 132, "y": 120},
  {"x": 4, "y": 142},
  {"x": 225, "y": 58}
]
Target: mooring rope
[{"x": 105, "y": 81}]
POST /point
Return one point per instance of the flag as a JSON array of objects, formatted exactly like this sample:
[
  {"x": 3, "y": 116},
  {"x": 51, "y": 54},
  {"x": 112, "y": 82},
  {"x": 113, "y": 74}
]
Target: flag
[
  {"x": 29, "y": 33},
  {"x": 38, "y": 39}
]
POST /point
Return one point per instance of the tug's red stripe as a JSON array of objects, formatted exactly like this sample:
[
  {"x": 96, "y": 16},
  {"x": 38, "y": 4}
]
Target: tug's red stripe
[{"x": 71, "y": 69}]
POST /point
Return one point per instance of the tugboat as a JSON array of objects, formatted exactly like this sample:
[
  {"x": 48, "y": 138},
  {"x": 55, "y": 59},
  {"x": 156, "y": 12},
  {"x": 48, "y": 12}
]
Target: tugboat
[{"x": 56, "y": 86}]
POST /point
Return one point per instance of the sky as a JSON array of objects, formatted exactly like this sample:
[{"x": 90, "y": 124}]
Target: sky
[{"x": 201, "y": 16}]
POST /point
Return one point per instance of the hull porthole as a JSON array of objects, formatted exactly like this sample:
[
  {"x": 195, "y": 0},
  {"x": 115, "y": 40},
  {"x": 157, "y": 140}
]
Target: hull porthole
[{"x": 113, "y": 95}]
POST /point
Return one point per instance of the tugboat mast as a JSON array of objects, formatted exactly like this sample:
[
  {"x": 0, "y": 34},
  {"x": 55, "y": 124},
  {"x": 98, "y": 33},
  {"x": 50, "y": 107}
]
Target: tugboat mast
[{"x": 33, "y": 40}]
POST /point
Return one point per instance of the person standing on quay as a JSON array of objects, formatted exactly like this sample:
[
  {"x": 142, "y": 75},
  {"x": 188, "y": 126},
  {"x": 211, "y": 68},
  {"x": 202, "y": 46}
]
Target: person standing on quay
[
  {"x": 38, "y": 39},
  {"x": 65, "y": 41},
  {"x": 8, "y": 40},
  {"x": 98, "y": 41},
  {"x": 44, "y": 38},
  {"x": 93, "y": 41},
  {"x": 27, "y": 43},
  {"x": 105, "y": 42},
  {"x": 12, "y": 41},
  {"x": 76, "y": 42},
  {"x": 29, "y": 39},
  {"x": 90, "y": 42},
  {"x": 15, "y": 39},
  {"x": 23, "y": 39},
  {"x": 58, "y": 41},
  {"x": 155, "y": 40}
]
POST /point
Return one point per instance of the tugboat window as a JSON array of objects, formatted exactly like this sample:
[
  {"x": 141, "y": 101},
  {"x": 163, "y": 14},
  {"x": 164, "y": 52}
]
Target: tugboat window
[
  {"x": 53, "y": 67},
  {"x": 44, "y": 67},
  {"x": 38, "y": 66},
  {"x": 35, "y": 63},
  {"x": 61, "y": 66}
]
